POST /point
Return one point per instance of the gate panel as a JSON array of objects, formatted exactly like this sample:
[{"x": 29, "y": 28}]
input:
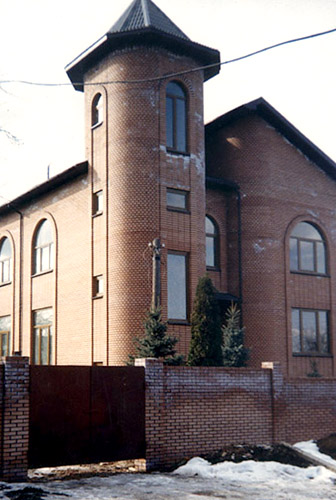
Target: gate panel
[
  {"x": 59, "y": 415},
  {"x": 118, "y": 413},
  {"x": 81, "y": 414}
]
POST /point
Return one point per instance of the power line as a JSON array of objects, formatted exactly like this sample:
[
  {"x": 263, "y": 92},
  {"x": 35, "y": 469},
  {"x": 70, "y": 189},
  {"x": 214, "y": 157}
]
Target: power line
[{"x": 171, "y": 75}]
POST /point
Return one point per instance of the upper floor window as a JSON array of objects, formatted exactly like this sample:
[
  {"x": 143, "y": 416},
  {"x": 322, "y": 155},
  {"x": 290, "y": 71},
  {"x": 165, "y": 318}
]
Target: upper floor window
[
  {"x": 5, "y": 261},
  {"x": 211, "y": 243},
  {"x": 42, "y": 336},
  {"x": 177, "y": 200},
  {"x": 176, "y": 117},
  {"x": 307, "y": 249},
  {"x": 97, "y": 110},
  {"x": 310, "y": 332},
  {"x": 43, "y": 248}
]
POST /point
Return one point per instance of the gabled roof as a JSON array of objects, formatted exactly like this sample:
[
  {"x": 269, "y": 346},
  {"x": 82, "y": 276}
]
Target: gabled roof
[
  {"x": 46, "y": 187},
  {"x": 143, "y": 23},
  {"x": 262, "y": 108},
  {"x": 143, "y": 14}
]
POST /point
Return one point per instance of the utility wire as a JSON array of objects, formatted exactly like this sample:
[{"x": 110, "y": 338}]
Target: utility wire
[{"x": 158, "y": 78}]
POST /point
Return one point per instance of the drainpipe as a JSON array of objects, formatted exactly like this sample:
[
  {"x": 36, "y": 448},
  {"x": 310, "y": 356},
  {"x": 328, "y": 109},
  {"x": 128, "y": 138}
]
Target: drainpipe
[{"x": 20, "y": 278}]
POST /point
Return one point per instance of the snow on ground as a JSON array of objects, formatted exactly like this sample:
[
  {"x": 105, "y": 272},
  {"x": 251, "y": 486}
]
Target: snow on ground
[
  {"x": 197, "y": 480},
  {"x": 311, "y": 448}
]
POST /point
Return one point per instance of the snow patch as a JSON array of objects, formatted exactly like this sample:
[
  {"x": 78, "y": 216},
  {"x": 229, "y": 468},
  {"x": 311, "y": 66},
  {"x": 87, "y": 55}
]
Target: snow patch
[{"x": 258, "y": 248}]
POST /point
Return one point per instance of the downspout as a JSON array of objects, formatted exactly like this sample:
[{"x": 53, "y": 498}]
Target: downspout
[
  {"x": 20, "y": 277},
  {"x": 240, "y": 265}
]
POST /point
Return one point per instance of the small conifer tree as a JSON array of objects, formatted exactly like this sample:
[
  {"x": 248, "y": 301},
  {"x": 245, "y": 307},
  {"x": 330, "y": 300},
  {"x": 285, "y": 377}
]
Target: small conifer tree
[
  {"x": 156, "y": 343},
  {"x": 206, "y": 335},
  {"x": 234, "y": 352}
]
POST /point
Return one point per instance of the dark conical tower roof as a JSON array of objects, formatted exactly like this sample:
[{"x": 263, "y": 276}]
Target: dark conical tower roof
[
  {"x": 143, "y": 14},
  {"x": 143, "y": 23}
]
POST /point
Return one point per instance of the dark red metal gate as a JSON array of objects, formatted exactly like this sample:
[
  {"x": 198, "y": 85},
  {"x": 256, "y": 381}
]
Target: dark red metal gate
[{"x": 81, "y": 414}]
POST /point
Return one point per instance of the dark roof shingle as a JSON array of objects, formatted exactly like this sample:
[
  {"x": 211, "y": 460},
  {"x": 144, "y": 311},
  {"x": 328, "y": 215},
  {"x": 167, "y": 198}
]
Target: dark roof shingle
[{"x": 143, "y": 14}]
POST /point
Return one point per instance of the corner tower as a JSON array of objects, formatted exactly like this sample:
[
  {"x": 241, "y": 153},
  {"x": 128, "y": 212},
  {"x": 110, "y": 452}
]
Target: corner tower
[{"x": 143, "y": 84}]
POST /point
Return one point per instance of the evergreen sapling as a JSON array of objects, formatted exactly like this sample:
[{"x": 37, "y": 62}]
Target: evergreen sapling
[
  {"x": 206, "y": 335},
  {"x": 234, "y": 352}
]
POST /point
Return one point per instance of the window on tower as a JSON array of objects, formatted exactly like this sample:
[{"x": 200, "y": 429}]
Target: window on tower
[
  {"x": 176, "y": 118},
  {"x": 97, "y": 110}
]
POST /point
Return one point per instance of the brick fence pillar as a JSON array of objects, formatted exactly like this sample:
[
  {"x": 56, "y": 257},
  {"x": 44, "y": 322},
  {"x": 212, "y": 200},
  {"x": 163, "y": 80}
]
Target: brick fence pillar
[
  {"x": 278, "y": 398},
  {"x": 15, "y": 418},
  {"x": 155, "y": 416}
]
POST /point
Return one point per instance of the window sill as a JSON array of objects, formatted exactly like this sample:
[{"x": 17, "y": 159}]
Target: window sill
[
  {"x": 96, "y": 125},
  {"x": 5, "y": 283},
  {"x": 177, "y": 153},
  {"x": 183, "y": 322},
  {"x": 311, "y": 355},
  {"x": 311, "y": 273},
  {"x": 213, "y": 268},
  {"x": 47, "y": 271},
  {"x": 99, "y": 296},
  {"x": 97, "y": 214},
  {"x": 179, "y": 210}
]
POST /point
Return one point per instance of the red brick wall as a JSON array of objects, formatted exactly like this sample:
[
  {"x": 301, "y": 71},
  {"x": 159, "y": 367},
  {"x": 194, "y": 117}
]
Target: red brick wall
[
  {"x": 192, "y": 411},
  {"x": 14, "y": 411},
  {"x": 279, "y": 187},
  {"x": 129, "y": 161}
]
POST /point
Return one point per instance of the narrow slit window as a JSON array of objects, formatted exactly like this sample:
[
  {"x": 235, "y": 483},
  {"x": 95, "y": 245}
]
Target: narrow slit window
[
  {"x": 176, "y": 118},
  {"x": 97, "y": 110}
]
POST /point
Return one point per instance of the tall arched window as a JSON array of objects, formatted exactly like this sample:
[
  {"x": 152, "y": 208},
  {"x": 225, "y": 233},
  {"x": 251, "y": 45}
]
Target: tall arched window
[
  {"x": 43, "y": 248},
  {"x": 97, "y": 110},
  {"x": 211, "y": 241},
  {"x": 5, "y": 261},
  {"x": 307, "y": 249},
  {"x": 176, "y": 117}
]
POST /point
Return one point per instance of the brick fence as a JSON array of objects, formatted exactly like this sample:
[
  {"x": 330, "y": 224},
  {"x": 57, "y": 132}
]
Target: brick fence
[
  {"x": 190, "y": 411},
  {"x": 14, "y": 417}
]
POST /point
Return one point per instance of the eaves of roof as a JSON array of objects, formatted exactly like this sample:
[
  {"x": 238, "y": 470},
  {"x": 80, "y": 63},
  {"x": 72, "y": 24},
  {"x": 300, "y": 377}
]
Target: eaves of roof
[
  {"x": 45, "y": 188},
  {"x": 262, "y": 108},
  {"x": 149, "y": 36}
]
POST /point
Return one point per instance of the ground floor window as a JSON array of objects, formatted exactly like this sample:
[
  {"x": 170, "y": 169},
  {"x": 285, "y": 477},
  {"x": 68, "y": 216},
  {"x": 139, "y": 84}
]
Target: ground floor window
[
  {"x": 5, "y": 331},
  {"x": 177, "y": 286},
  {"x": 310, "y": 332},
  {"x": 42, "y": 336}
]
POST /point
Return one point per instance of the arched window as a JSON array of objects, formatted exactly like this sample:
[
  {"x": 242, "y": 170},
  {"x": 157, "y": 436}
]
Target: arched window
[
  {"x": 307, "y": 249},
  {"x": 97, "y": 110},
  {"x": 211, "y": 242},
  {"x": 5, "y": 261},
  {"x": 43, "y": 248},
  {"x": 176, "y": 117}
]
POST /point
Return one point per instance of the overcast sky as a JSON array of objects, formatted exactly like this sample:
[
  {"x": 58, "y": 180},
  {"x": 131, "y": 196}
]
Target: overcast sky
[{"x": 39, "y": 37}]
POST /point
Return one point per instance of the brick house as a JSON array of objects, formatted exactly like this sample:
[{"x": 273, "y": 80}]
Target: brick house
[{"x": 246, "y": 198}]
